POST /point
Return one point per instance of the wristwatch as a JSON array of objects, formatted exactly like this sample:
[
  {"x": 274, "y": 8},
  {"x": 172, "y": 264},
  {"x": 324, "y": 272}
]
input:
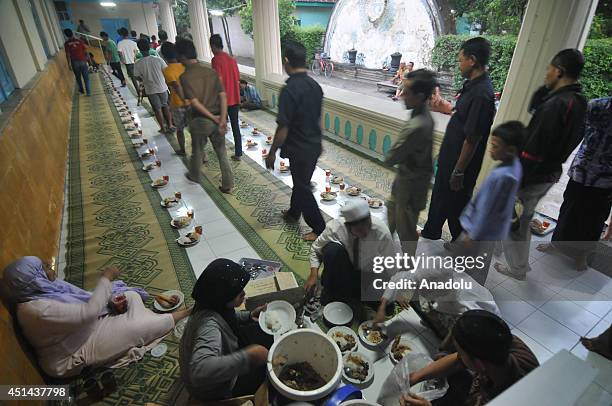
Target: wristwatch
[{"x": 457, "y": 173}]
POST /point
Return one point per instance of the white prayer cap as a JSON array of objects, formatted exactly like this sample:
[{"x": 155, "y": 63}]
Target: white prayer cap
[{"x": 355, "y": 210}]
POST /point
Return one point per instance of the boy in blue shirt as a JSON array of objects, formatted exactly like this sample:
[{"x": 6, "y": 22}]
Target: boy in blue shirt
[{"x": 488, "y": 216}]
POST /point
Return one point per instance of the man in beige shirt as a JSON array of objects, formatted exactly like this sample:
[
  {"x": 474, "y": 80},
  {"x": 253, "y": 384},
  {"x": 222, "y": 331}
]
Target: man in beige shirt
[{"x": 203, "y": 89}]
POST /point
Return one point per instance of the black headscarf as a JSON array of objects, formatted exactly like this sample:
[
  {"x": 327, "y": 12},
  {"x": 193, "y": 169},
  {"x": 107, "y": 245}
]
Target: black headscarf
[
  {"x": 483, "y": 335},
  {"x": 219, "y": 284}
]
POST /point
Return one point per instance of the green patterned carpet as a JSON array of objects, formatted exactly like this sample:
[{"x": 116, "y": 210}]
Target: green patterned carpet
[{"x": 114, "y": 218}]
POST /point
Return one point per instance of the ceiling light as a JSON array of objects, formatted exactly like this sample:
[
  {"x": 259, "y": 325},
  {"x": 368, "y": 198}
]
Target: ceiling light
[{"x": 108, "y": 4}]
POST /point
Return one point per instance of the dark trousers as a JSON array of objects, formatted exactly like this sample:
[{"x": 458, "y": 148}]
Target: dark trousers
[
  {"x": 340, "y": 280},
  {"x": 116, "y": 67},
  {"x": 232, "y": 112},
  {"x": 248, "y": 384},
  {"x": 81, "y": 71},
  {"x": 581, "y": 218},
  {"x": 446, "y": 206},
  {"x": 302, "y": 200}
]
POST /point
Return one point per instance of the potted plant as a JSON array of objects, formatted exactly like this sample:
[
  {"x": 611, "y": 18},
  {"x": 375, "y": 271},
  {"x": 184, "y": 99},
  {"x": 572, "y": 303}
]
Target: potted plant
[
  {"x": 352, "y": 54},
  {"x": 396, "y": 57}
]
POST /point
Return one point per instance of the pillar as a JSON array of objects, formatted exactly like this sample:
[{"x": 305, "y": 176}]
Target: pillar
[
  {"x": 548, "y": 27},
  {"x": 167, "y": 19},
  {"x": 266, "y": 38},
  {"x": 200, "y": 31}
]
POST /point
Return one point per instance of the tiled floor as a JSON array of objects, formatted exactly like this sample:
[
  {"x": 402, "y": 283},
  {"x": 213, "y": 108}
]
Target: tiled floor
[{"x": 549, "y": 311}]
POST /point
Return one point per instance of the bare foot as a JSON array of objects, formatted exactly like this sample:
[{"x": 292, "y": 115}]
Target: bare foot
[
  {"x": 504, "y": 270},
  {"x": 600, "y": 345},
  {"x": 549, "y": 248},
  {"x": 311, "y": 236}
]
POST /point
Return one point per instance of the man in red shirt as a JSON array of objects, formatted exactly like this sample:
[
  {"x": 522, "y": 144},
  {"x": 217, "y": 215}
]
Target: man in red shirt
[
  {"x": 227, "y": 69},
  {"x": 76, "y": 55}
]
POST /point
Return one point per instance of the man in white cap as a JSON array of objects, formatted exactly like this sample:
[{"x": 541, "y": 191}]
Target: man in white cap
[{"x": 347, "y": 249}]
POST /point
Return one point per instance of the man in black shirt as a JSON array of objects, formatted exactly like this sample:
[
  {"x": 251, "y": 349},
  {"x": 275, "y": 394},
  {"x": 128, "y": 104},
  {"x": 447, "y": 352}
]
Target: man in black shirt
[
  {"x": 298, "y": 135},
  {"x": 465, "y": 142},
  {"x": 554, "y": 131}
]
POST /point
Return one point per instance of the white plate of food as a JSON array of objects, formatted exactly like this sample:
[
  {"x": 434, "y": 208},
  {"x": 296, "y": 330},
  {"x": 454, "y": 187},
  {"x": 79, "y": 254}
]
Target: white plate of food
[
  {"x": 251, "y": 144},
  {"x": 399, "y": 349},
  {"x": 329, "y": 196},
  {"x": 344, "y": 337},
  {"x": 357, "y": 368},
  {"x": 137, "y": 143},
  {"x": 180, "y": 222},
  {"x": 283, "y": 168},
  {"x": 188, "y": 239},
  {"x": 168, "y": 202},
  {"x": 371, "y": 334},
  {"x": 243, "y": 124},
  {"x": 148, "y": 167},
  {"x": 146, "y": 154},
  {"x": 375, "y": 203},
  {"x": 278, "y": 318},
  {"x": 159, "y": 183},
  {"x": 338, "y": 313},
  {"x": 337, "y": 180},
  {"x": 255, "y": 131},
  {"x": 269, "y": 142},
  {"x": 168, "y": 300},
  {"x": 541, "y": 225},
  {"x": 353, "y": 191}
]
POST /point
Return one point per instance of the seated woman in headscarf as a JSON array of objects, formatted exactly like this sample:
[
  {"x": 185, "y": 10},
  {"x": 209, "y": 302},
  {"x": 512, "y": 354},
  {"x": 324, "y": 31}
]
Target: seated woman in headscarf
[
  {"x": 219, "y": 357},
  {"x": 71, "y": 328}
]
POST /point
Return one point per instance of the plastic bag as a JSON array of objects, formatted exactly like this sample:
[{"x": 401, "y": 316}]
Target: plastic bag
[{"x": 397, "y": 383}]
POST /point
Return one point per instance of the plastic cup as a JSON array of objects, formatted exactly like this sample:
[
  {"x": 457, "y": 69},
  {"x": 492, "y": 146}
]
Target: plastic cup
[{"x": 198, "y": 229}]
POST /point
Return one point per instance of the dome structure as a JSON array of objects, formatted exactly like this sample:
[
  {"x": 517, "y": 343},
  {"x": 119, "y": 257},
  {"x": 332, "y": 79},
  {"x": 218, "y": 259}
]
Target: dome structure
[{"x": 378, "y": 28}]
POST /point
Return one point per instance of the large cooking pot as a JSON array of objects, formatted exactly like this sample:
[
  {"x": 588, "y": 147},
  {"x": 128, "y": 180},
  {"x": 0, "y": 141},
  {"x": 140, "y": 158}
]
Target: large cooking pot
[{"x": 306, "y": 345}]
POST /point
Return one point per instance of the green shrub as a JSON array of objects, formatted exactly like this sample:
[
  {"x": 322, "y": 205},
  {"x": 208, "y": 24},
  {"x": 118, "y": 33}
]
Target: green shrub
[
  {"x": 311, "y": 37},
  {"x": 596, "y": 76}
]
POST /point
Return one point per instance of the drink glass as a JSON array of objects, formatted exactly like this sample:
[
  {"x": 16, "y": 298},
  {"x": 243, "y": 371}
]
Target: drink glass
[
  {"x": 328, "y": 188},
  {"x": 282, "y": 163},
  {"x": 145, "y": 141},
  {"x": 342, "y": 186},
  {"x": 190, "y": 213},
  {"x": 178, "y": 195},
  {"x": 166, "y": 178},
  {"x": 198, "y": 229},
  {"x": 264, "y": 151},
  {"x": 328, "y": 172}
]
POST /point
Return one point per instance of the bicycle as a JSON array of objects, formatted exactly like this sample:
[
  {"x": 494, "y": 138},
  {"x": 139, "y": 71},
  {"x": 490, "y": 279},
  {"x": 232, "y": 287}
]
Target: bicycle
[{"x": 322, "y": 63}]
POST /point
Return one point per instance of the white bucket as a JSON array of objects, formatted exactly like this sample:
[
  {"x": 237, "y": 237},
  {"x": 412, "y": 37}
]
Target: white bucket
[{"x": 306, "y": 345}]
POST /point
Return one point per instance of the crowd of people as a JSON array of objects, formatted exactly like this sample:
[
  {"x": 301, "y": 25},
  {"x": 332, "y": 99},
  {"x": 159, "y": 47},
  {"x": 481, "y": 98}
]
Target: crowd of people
[{"x": 223, "y": 353}]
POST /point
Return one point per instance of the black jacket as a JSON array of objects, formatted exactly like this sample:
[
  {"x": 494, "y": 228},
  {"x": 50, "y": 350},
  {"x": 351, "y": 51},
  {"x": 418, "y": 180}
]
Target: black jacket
[{"x": 555, "y": 130}]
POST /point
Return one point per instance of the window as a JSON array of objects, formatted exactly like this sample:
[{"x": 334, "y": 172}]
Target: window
[
  {"x": 39, "y": 28},
  {"x": 6, "y": 82}
]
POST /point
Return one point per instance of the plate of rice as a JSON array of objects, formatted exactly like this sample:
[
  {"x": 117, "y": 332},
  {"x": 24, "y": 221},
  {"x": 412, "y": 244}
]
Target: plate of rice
[{"x": 278, "y": 318}]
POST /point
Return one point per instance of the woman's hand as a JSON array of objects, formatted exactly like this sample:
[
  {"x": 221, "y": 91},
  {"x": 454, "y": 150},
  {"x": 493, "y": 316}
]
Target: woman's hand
[
  {"x": 413, "y": 400},
  {"x": 111, "y": 273},
  {"x": 258, "y": 354},
  {"x": 257, "y": 311}
]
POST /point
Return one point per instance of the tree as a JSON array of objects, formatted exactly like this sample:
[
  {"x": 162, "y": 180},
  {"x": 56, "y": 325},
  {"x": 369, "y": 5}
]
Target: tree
[
  {"x": 285, "y": 17},
  {"x": 494, "y": 16}
]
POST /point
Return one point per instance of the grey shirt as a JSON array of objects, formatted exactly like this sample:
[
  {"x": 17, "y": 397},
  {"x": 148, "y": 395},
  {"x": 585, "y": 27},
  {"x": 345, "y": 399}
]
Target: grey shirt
[{"x": 210, "y": 358}]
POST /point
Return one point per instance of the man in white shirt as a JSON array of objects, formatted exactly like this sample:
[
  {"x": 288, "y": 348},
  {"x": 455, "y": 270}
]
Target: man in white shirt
[
  {"x": 347, "y": 248},
  {"x": 150, "y": 69},
  {"x": 127, "y": 51}
]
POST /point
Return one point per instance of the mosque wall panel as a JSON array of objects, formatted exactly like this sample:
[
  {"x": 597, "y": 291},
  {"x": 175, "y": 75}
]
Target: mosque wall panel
[{"x": 33, "y": 147}]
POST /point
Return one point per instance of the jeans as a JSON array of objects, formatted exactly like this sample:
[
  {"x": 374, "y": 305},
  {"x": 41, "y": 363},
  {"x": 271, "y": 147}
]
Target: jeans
[
  {"x": 81, "y": 70},
  {"x": 302, "y": 200},
  {"x": 232, "y": 111},
  {"x": 516, "y": 249}
]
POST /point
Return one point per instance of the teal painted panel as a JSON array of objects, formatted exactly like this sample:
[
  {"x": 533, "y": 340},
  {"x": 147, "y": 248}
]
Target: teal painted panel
[
  {"x": 327, "y": 121},
  {"x": 309, "y": 16},
  {"x": 336, "y": 126},
  {"x": 386, "y": 144},
  {"x": 359, "y": 134},
  {"x": 372, "y": 140},
  {"x": 348, "y": 130}
]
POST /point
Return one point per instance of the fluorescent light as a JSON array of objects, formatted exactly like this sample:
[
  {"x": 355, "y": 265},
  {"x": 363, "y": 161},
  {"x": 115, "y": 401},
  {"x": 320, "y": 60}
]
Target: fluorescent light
[
  {"x": 108, "y": 4},
  {"x": 216, "y": 13}
]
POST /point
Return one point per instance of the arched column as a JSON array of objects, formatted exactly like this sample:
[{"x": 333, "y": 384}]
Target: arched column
[
  {"x": 200, "y": 31},
  {"x": 167, "y": 19},
  {"x": 266, "y": 36}
]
